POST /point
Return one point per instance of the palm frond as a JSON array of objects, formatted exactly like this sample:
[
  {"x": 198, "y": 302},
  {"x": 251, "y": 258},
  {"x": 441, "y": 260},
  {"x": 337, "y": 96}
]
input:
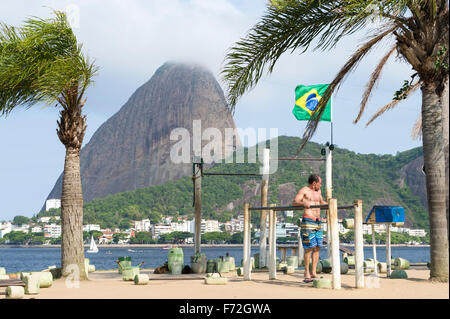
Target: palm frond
[
  {"x": 349, "y": 66},
  {"x": 394, "y": 103},
  {"x": 295, "y": 26},
  {"x": 38, "y": 61},
  {"x": 372, "y": 82}
]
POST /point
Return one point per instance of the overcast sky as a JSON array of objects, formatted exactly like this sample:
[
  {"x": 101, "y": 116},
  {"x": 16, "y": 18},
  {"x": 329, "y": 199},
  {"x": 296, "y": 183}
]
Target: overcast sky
[{"x": 130, "y": 39}]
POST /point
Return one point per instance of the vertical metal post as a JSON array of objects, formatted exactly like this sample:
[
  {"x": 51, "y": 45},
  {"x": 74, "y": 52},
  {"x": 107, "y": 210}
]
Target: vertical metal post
[
  {"x": 334, "y": 230},
  {"x": 374, "y": 249},
  {"x": 198, "y": 204},
  {"x": 271, "y": 248},
  {"x": 359, "y": 246},
  {"x": 247, "y": 241},
  {"x": 273, "y": 244},
  {"x": 329, "y": 192},
  {"x": 264, "y": 194},
  {"x": 300, "y": 251},
  {"x": 388, "y": 250}
]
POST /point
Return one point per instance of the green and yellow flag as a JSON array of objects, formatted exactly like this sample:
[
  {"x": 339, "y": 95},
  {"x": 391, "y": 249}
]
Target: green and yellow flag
[{"x": 307, "y": 99}]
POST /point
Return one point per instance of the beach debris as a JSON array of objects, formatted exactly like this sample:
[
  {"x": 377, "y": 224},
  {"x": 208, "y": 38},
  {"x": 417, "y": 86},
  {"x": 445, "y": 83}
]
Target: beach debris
[
  {"x": 176, "y": 267},
  {"x": 350, "y": 260},
  {"x": 401, "y": 263},
  {"x": 348, "y": 223},
  {"x": 252, "y": 262},
  {"x": 318, "y": 267},
  {"x": 344, "y": 268},
  {"x": 86, "y": 266},
  {"x": 292, "y": 261},
  {"x": 222, "y": 265},
  {"x": 211, "y": 266},
  {"x": 322, "y": 283},
  {"x": 162, "y": 269},
  {"x": 14, "y": 276},
  {"x": 215, "y": 279},
  {"x": 187, "y": 270},
  {"x": 23, "y": 274},
  {"x": 123, "y": 262},
  {"x": 45, "y": 279},
  {"x": 141, "y": 279},
  {"x": 231, "y": 262},
  {"x": 288, "y": 270},
  {"x": 382, "y": 268},
  {"x": 175, "y": 260},
  {"x": 198, "y": 263},
  {"x": 56, "y": 272},
  {"x": 14, "y": 292},
  {"x": 326, "y": 266},
  {"x": 31, "y": 284},
  {"x": 281, "y": 265},
  {"x": 369, "y": 265},
  {"x": 129, "y": 273},
  {"x": 399, "y": 274}
]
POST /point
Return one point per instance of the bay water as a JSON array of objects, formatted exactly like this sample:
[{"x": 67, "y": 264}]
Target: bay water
[{"x": 37, "y": 259}]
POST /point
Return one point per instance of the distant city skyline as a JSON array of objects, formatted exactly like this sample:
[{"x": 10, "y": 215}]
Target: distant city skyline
[{"x": 192, "y": 31}]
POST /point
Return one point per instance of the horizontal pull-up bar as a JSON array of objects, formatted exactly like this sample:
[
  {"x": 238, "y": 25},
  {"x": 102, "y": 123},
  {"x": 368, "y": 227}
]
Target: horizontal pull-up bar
[
  {"x": 279, "y": 208},
  {"x": 298, "y": 159},
  {"x": 232, "y": 174}
]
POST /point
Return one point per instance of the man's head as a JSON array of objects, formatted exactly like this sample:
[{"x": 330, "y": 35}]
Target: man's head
[{"x": 315, "y": 182}]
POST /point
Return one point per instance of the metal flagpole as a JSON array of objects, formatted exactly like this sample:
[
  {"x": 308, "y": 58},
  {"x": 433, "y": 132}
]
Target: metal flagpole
[{"x": 329, "y": 181}]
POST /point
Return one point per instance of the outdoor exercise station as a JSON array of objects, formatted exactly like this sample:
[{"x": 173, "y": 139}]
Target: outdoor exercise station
[{"x": 333, "y": 236}]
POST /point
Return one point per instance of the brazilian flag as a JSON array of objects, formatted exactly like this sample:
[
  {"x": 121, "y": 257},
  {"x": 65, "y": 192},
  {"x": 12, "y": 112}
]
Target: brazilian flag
[{"x": 307, "y": 99}]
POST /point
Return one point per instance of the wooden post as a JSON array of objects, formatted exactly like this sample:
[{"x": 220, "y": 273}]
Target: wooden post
[
  {"x": 198, "y": 204},
  {"x": 374, "y": 249},
  {"x": 247, "y": 243},
  {"x": 301, "y": 252},
  {"x": 359, "y": 245},
  {"x": 388, "y": 250},
  {"x": 329, "y": 193},
  {"x": 334, "y": 230},
  {"x": 263, "y": 225},
  {"x": 283, "y": 253},
  {"x": 273, "y": 244},
  {"x": 271, "y": 248}
]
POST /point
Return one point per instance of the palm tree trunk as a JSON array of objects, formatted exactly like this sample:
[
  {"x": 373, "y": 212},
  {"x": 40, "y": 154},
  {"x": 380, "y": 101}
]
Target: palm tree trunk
[
  {"x": 432, "y": 134},
  {"x": 445, "y": 119},
  {"x": 72, "y": 250}
]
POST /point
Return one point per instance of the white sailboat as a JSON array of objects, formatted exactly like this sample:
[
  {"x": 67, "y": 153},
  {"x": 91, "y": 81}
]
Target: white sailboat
[{"x": 93, "y": 248}]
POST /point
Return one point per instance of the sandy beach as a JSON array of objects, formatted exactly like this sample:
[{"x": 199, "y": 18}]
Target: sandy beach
[{"x": 109, "y": 285}]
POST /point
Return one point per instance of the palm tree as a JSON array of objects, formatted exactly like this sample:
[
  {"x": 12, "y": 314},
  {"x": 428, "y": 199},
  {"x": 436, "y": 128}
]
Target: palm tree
[
  {"x": 42, "y": 62},
  {"x": 418, "y": 30}
]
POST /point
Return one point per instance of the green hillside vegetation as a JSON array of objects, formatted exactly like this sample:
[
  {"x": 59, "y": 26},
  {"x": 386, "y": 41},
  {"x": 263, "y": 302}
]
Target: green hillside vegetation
[{"x": 369, "y": 177}]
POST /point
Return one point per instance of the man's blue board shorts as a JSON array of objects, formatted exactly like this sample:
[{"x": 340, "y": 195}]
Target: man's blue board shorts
[{"x": 311, "y": 232}]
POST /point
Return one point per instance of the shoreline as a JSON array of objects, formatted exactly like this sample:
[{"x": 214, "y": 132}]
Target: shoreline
[{"x": 186, "y": 245}]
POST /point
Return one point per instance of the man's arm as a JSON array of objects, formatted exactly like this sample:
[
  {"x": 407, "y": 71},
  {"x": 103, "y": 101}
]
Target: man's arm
[{"x": 300, "y": 199}]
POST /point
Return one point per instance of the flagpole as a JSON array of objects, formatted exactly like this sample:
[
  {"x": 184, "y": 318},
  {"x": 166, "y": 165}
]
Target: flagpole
[
  {"x": 329, "y": 180},
  {"x": 331, "y": 120}
]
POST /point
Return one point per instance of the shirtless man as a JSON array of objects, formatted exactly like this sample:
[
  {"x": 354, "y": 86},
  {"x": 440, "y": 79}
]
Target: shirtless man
[{"x": 311, "y": 232}]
